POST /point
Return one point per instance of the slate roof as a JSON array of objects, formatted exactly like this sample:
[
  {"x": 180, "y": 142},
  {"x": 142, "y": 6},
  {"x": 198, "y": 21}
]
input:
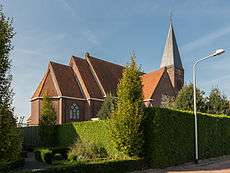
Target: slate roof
[{"x": 171, "y": 54}]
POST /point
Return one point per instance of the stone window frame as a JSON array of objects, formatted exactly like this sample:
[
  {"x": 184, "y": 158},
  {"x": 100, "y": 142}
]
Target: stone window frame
[{"x": 74, "y": 112}]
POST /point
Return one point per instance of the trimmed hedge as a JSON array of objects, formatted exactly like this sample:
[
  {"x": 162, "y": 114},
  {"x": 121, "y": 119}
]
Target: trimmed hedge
[
  {"x": 96, "y": 132},
  {"x": 169, "y": 136}
]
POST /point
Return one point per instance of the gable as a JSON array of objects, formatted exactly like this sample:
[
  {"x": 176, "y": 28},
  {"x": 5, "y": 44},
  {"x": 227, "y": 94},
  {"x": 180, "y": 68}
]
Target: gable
[
  {"x": 46, "y": 85},
  {"x": 164, "y": 87}
]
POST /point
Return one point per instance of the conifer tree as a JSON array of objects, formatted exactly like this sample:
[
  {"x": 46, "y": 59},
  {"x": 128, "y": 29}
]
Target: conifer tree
[
  {"x": 184, "y": 99},
  {"x": 128, "y": 114},
  {"x": 107, "y": 107},
  {"x": 48, "y": 115},
  {"x": 47, "y": 122},
  {"x": 218, "y": 103},
  {"x": 168, "y": 102},
  {"x": 10, "y": 139}
]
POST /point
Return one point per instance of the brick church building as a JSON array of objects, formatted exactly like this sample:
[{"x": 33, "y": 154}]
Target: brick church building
[{"x": 79, "y": 88}]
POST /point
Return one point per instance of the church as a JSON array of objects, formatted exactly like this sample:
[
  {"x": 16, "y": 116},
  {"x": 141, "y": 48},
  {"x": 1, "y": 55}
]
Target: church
[{"x": 78, "y": 89}]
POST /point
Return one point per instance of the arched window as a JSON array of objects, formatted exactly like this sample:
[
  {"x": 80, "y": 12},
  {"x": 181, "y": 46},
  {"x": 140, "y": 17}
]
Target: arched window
[{"x": 74, "y": 112}]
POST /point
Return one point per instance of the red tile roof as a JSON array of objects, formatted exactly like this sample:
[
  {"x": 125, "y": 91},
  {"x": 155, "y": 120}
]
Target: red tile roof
[
  {"x": 108, "y": 73},
  {"x": 88, "y": 78},
  {"x": 66, "y": 80},
  {"x": 150, "y": 82},
  {"x": 92, "y": 69}
]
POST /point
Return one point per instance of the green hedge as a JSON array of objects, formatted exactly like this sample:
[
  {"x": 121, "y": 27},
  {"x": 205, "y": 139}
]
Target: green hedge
[
  {"x": 88, "y": 131},
  {"x": 67, "y": 134},
  {"x": 169, "y": 136}
]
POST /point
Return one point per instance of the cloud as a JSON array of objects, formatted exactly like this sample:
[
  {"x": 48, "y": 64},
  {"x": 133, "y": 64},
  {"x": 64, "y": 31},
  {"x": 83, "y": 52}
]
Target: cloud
[{"x": 206, "y": 40}]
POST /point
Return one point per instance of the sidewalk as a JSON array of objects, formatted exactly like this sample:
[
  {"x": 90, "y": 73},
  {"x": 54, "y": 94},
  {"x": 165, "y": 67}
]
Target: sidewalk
[
  {"x": 32, "y": 164},
  {"x": 214, "y": 165}
]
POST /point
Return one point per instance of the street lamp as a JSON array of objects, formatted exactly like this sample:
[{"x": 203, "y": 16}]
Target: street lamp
[{"x": 213, "y": 54}]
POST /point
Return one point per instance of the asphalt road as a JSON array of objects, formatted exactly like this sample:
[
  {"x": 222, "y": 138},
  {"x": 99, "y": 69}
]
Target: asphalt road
[{"x": 215, "y": 165}]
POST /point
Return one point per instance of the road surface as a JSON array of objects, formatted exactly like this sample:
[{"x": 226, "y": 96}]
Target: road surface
[{"x": 215, "y": 165}]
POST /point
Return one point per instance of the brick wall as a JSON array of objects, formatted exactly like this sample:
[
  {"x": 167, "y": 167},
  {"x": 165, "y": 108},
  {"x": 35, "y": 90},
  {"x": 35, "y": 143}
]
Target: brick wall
[{"x": 164, "y": 87}]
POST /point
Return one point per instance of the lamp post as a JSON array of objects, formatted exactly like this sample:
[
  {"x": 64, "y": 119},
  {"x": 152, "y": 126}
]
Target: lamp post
[{"x": 213, "y": 54}]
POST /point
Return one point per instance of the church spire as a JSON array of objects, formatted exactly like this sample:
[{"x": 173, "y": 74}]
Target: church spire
[{"x": 171, "y": 55}]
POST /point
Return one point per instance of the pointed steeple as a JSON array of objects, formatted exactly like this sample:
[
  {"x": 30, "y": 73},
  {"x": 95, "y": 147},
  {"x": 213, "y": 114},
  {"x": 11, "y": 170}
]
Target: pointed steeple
[{"x": 171, "y": 55}]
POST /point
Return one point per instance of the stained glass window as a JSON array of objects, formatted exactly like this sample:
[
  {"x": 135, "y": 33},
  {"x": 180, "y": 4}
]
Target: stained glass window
[{"x": 74, "y": 112}]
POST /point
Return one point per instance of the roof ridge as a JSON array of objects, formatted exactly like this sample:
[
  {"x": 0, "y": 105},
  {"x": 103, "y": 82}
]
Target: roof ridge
[
  {"x": 56, "y": 63},
  {"x": 95, "y": 76},
  {"x": 161, "y": 69},
  {"x": 105, "y": 61},
  {"x": 54, "y": 78},
  {"x": 79, "y": 75}
]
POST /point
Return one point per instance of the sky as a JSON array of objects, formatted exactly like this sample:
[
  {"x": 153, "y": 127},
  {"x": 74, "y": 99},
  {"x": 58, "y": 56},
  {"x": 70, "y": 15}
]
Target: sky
[{"x": 56, "y": 29}]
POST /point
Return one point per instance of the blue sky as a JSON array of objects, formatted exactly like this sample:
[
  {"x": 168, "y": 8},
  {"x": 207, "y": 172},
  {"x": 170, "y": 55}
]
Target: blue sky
[{"x": 56, "y": 29}]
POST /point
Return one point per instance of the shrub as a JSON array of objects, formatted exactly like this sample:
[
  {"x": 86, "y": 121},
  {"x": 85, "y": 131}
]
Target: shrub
[
  {"x": 60, "y": 150},
  {"x": 86, "y": 151},
  {"x": 99, "y": 150},
  {"x": 44, "y": 155},
  {"x": 104, "y": 166},
  {"x": 9, "y": 166}
]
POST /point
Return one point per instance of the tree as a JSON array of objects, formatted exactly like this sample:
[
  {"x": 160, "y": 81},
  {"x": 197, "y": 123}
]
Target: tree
[
  {"x": 48, "y": 115},
  {"x": 184, "y": 99},
  {"x": 168, "y": 102},
  {"x": 47, "y": 122},
  {"x": 107, "y": 107},
  {"x": 11, "y": 141},
  {"x": 217, "y": 103},
  {"x": 126, "y": 120}
]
